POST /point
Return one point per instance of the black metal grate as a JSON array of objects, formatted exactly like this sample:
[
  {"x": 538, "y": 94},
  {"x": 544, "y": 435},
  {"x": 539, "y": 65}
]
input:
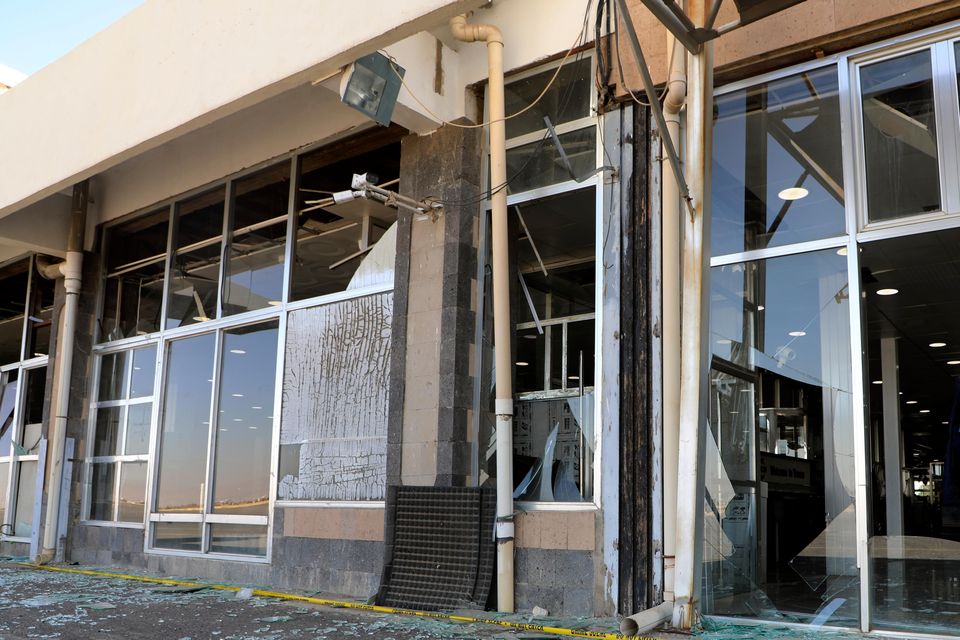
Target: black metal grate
[{"x": 440, "y": 547}]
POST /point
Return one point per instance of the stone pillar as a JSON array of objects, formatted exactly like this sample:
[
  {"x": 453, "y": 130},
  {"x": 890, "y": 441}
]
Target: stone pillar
[{"x": 432, "y": 382}]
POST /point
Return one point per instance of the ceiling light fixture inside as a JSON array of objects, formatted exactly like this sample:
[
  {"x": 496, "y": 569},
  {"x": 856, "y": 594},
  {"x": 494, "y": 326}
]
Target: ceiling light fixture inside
[
  {"x": 887, "y": 292},
  {"x": 938, "y": 345},
  {"x": 793, "y": 193},
  {"x": 798, "y": 334}
]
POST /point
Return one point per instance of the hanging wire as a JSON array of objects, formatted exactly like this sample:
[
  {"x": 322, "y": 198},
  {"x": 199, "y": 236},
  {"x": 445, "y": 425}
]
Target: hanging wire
[{"x": 581, "y": 35}]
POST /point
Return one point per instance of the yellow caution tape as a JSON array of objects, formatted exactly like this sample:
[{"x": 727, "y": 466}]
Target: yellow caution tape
[{"x": 559, "y": 631}]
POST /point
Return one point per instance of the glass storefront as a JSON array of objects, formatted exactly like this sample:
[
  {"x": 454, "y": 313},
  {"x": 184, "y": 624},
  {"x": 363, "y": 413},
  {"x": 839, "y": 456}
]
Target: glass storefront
[{"x": 830, "y": 494}]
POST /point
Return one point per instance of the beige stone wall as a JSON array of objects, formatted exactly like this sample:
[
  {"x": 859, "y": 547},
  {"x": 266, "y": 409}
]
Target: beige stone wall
[
  {"x": 333, "y": 523},
  {"x": 810, "y": 29},
  {"x": 569, "y": 530}
]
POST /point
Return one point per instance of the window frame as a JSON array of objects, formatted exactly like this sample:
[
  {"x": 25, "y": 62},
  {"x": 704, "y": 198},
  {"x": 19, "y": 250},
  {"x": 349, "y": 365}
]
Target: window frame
[
  {"x": 118, "y": 460},
  {"x": 596, "y": 182},
  {"x": 941, "y": 39}
]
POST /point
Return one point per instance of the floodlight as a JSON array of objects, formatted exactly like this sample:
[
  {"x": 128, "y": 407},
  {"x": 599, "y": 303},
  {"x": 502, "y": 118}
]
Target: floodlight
[{"x": 371, "y": 86}]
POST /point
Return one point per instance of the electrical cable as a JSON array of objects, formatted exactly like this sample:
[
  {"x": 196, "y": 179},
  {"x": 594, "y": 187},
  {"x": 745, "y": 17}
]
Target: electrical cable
[
  {"x": 577, "y": 42},
  {"x": 623, "y": 82},
  {"x": 565, "y": 100}
]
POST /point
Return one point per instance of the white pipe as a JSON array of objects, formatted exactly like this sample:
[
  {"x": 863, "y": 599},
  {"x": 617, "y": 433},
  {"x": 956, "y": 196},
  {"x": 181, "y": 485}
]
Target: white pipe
[
  {"x": 70, "y": 269},
  {"x": 501, "y": 301},
  {"x": 693, "y": 355},
  {"x": 646, "y": 620},
  {"x": 670, "y": 287}
]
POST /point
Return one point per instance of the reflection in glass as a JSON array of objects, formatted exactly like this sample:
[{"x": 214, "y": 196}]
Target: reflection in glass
[
  {"x": 900, "y": 137},
  {"x": 32, "y": 410},
  {"x": 327, "y": 237},
  {"x": 779, "y": 520},
  {"x": 112, "y": 371},
  {"x": 241, "y": 484},
  {"x": 777, "y": 170},
  {"x": 8, "y": 403},
  {"x": 239, "y": 539},
  {"x": 144, "y": 370},
  {"x": 101, "y": 494},
  {"x": 195, "y": 265},
  {"x": 185, "y": 424},
  {"x": 133, "y": 484},
  {"x": 567, "y": 99},
  {"x": 137, "y": 438},
  {"x": 26, "y": 494},
  {"x": 136, "y": 254},
  {"x": 914, "y": 430},
  {"x": 13, "y": 299},
  {"x": 106, "y": 438},
  {"x": 181, "y": 536},
  {"x": 4, "y": 486},
  {"x": 538, "y": 164},
  {"x": 254, "y": 271}
]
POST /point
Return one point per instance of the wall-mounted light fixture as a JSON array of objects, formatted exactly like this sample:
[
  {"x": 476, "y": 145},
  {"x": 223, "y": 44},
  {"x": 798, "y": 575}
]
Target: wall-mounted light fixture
[{"x": 371, "y": 86}]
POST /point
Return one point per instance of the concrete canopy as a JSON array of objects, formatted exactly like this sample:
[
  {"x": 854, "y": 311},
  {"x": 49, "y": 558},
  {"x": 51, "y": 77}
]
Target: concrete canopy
[{"x": 173, "y": 66}]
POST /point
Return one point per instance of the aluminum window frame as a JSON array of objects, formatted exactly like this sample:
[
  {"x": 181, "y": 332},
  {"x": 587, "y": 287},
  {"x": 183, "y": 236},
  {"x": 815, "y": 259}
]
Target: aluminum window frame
[
  {"x": 163, "y": 336},
  {"x": 597, "y": 183},
  {"x": 941, "y": 40},
  {"x": 118, "y": 459}
]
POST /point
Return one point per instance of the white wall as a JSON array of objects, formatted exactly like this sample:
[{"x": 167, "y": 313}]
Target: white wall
[{"x": 172, "y": 66}]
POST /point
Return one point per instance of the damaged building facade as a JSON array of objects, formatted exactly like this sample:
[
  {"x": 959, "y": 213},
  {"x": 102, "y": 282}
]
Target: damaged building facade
[{"x": 255, "y": 366}]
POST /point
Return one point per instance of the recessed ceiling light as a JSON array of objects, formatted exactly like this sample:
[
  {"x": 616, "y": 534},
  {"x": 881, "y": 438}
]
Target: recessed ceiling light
[
  {"x": 842, "y": 251},
  {"x": 724, "y": 341},
  {"x": 793, "y": 193},
  {"x": 239, "y": 352},
  {"x": 760, "y": 307},
  {"x": 252, "y": 427},
  {"x": 911, "y": 402},
  {"x": 887, "y": 292},
  {"x": 953, "y": 361},
  {"x": 237, "y": 395},
  {"x": 944, "y": 422},
  {"x": 937, "y": 345},
  {"x": 573, "y": 377},
  {"x": 238, "y": 419},
  {"x": 924, "y": 410},
  {"x": 522, "y": 364},
  {"x": 899, "y": 393},
  {"x": 256, "y": 407},
  {"x": 878, "y": 382},
  {"x": 798, "y": 334}
]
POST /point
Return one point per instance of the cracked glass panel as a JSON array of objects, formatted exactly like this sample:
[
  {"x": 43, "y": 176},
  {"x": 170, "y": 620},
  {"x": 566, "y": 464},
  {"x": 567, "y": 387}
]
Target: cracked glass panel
[
  {"x": 779, "y": 518},
  {"x": 333, "y": 439}
]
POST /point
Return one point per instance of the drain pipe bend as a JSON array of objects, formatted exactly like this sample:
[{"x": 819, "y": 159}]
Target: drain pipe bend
[
  {"x": 501, "y": 301},
  {"x": 70, "y": 270}
]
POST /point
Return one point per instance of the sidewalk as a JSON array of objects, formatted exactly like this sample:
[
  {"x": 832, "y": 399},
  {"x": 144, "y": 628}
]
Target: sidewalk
[{"x": 36, "y": 603}]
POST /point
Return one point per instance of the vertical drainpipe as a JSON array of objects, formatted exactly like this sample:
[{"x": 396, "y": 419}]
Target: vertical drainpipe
[
  {"x": 670, "y": 283},
  {"x": 501, "y": 301},
  {"x": 694, "y": 365},
  {"x": 70, "y": 271}
]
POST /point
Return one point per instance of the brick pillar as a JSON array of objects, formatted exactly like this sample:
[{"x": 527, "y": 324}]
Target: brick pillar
[{"x": 432, "y": 378}]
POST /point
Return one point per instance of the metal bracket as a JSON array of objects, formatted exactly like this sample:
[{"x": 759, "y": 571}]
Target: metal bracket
[{"x": 655, "y": 104}]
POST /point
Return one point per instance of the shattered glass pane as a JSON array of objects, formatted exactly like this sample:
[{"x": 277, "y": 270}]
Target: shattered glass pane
[
  {"x": 102, "y": 478},
  {"x": 26, "y": 492},
  {"x": 133, "y": 485}
]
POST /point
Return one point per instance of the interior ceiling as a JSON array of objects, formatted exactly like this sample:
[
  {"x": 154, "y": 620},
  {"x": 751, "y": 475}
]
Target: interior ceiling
[{"x": 925, "y": 269}]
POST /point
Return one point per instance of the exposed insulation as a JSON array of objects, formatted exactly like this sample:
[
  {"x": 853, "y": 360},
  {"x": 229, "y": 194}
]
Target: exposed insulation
[{"x": 333, "y": 439}]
